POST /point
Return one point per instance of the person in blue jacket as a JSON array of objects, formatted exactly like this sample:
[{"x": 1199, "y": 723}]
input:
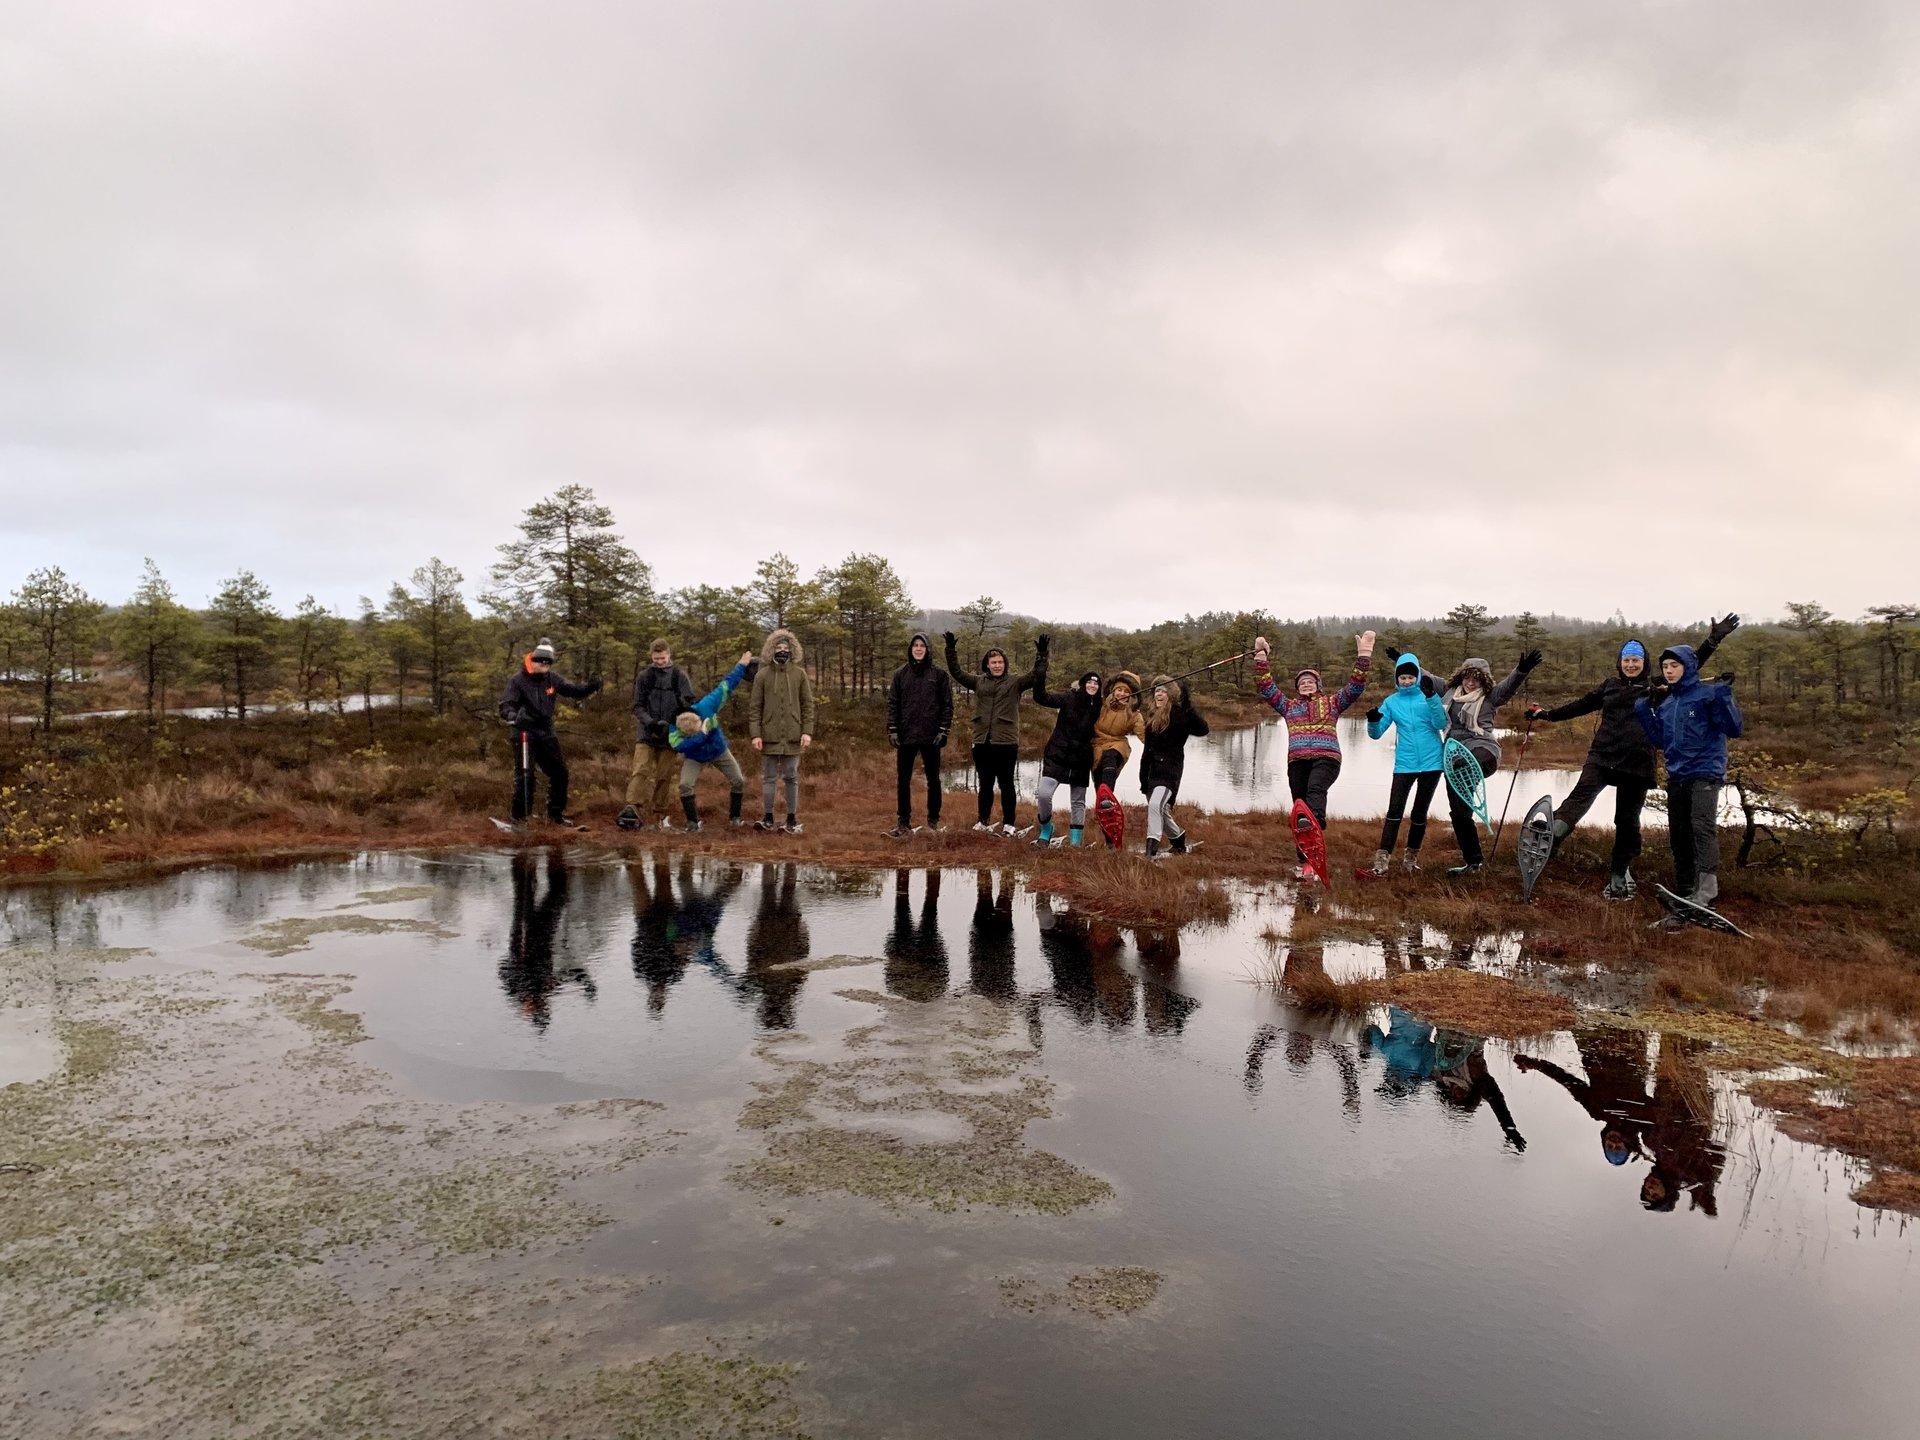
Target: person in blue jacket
[
  {"x": 1419, "y": 721},
  {"x": 699, "y": 741},
  {"x": 1691, "y": 728}
]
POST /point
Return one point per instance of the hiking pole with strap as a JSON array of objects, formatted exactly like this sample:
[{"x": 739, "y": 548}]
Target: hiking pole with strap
[
  {"x": 526, "y": 778},
  {"x": 1520, "y": 760},
  {"x": 1214, "y": 666}
]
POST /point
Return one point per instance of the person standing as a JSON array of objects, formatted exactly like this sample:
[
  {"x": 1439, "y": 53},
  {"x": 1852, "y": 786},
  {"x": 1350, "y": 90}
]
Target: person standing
[
  {"x": 1691, "y": 727},
  {"x": 528, "y": 706},
  {"x": 1419, "y": 722},
  {"x": 1068, "y": 758},
  {"x": 996, "y": 724},
  {"x": 1313, "y": 726},
  {"x": 781, "y": 724},
  {"x": 1171, "y": 721},
  {"x": 1114, "y": 727},
  {"x": 660, "y": 691},
  {"x": 919, "y": 715}
]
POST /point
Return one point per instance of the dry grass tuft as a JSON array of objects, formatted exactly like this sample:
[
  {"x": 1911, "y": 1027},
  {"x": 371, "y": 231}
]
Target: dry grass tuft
[{"x": 1469, "y": 1000}]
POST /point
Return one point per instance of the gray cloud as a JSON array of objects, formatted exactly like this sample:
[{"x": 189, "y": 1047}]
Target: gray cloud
[{"x": 1112, "y": 311}]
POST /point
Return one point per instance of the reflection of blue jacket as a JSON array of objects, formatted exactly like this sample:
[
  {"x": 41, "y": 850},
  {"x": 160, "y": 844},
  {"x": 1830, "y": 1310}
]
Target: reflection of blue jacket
[
  {"x": 1694, "y": 723},
  {"x": 1419, "y": 722},
  {"x": 708, "y": 743},
  {"x": 1407, "y": 1047}
]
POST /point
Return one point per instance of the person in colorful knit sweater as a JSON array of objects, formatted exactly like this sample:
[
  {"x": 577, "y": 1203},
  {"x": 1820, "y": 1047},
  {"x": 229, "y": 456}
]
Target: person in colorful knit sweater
[
  {"x": 699, "y": 741},
  {"x": 1313, "y": 720}
]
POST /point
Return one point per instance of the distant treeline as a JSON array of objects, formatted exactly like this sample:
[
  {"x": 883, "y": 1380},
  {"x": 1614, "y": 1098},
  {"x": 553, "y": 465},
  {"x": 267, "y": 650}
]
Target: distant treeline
[{"x": 568, "y": 574}]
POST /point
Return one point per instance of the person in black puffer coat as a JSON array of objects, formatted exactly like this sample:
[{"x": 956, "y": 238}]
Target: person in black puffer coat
[
  {"x": 919, "y": 715},
  {"x": 1171, "y": 722},
  {"x": 1620, "y": 756},
  {"x": 528, "y": 706},
  {"x": 1068, "y": 758}
]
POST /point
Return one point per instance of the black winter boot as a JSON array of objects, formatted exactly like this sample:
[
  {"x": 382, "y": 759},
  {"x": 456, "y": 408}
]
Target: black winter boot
[
  {"x": 734, "y": 802},
  {"x": 691, "y": 808}
]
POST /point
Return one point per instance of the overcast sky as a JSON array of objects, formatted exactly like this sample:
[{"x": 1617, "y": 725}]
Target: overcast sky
[{"x": 1113, "y": 311}]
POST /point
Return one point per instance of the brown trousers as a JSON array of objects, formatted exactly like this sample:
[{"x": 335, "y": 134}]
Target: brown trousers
[{"x": 652, "y": 782}]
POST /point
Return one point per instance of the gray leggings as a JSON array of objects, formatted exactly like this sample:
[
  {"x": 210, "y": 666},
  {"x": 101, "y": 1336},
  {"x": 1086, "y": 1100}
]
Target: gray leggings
[
  {"x": 725, "y": 764},
  {"x": 780, "y": 768},
  {"x": 1160, "y": 814},
  {"x": 1045, "y": 796}
]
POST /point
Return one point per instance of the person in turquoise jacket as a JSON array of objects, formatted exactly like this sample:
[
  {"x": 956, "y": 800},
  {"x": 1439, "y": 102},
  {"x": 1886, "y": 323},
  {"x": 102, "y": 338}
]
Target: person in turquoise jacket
[
  {"x": 696, "y": 737},
  {"x": 1419, "y": 722}
]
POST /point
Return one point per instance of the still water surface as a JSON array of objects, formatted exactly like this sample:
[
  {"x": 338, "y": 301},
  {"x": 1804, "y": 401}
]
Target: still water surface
[{"x": 1364, "y": 1226}]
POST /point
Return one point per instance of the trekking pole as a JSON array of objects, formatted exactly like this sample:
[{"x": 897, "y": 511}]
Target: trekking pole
[
  {"x": 1526, "y": 735},
  {"x": 526, "y": 779},
  {"x": 1214, "y": 666}
]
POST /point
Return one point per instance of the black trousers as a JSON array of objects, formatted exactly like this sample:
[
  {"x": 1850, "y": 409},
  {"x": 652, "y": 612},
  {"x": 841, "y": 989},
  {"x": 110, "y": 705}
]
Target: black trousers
[
  {"x": 540, "y": 752},
  {"x": 995, "y": 764},
  {"x": 1629, "y": 798},
  {"x": 1310, "y": 779},
  {"x": 1420, "y": 784},
  {"x": 929, "y": 758},
  {"x": 1112, "y": 762},
  {"x": 1693, "y": 829}
]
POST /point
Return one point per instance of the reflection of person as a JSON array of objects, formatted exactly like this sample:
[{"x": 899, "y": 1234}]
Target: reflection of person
[
  {"x": 527, "y": 972},
  {"x": 1083, "y": 956},
  {"x": 990, "y": 944},
  {"x": 1164, "y": 1007},
  {"x": 673, "y": 930},
  {"x": 916, "y": 967},
  {"x": 1412, "y": 1051},
  {"x": 1669, "y": 1121},
  {"x": 777, "y": 935}
]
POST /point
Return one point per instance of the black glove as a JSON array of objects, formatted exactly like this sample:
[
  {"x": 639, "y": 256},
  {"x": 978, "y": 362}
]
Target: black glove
[
  {"x": 594, "y": 687},
  {"x": 657, "y": 731},
  {"x": 1725, "y": 677},
  {"x": 1428, "y": 685},
  {"x": 1656, "y": 693},
  {"x": 1186, "y": 694},
  {"x": 947, "y": 635},
  {"x": 510, "y": 714},
  {"x": 1529, "y": 662},
  {"x": 1392, "y": 652},
  {"x": 1374, "y": 715},
  {"x": 1720, "y": 629}
]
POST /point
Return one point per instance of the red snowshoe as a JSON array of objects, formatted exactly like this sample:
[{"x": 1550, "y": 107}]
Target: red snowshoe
[
  {"x": 1311, "y": 841},
  {"x": 1112, "y": 818}
]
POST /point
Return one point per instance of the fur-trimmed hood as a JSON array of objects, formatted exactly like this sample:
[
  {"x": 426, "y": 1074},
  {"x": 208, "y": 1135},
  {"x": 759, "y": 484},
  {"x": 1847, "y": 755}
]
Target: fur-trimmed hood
[
  {"x": 1123, "y": 677},
  {"x": 1474, "y": 665},
  {"x": 773, "y": 639}
]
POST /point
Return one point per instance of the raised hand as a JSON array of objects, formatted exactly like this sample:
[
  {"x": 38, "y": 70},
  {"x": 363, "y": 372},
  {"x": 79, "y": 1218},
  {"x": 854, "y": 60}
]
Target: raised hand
[
  {"x": 746, "y": 657},
  {"x": 1530, "y": 661},
  {"x": 1364, "y": 644},
  {"x": 1428, "y": 686},
  {"x": 1392, "y": 652}
]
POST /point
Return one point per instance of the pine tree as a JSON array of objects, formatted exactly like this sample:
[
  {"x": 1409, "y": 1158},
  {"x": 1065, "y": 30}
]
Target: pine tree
[
  {"x": 242, "y": 626},
  {"x": 157, "y": 635},
  {"x": 58, "y": 618},
  {"x": 569, "y": 567},
  {"x": 1467, "y": 621}
]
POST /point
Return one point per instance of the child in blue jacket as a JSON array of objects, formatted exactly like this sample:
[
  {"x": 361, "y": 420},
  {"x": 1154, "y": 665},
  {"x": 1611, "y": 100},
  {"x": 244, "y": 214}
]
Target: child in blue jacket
[
  {"x": 1414, "y": 712},
  {"x": 1691, "y": 728},
  {"x": 699, "y": 741}
]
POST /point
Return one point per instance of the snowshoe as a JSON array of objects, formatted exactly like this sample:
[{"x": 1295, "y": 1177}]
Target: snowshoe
[
  {"x": 565, "y": 822},
  {"x": 764, "y": 824},
  {"x": 1465, "y": 869},
  {"x": 1113, "y": 819},
  {"x": 794, "y": 827},
  {"x": 628, "y": 819},
  {"x": 1015, "y": 832},
  {"x": 1311, "y": 841},
  {"x": 1539, "y": 838},
  {"x": 512, "y": 827},
  {"x": 1679, "y": 907},
  {"x": 1620, "y": 887},
  {"x": 1466, "y": 779}
]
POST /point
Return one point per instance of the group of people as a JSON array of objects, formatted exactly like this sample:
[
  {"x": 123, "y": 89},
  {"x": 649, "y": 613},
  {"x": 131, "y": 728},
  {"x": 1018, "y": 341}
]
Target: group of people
[{"x": 1673, "y": 714}]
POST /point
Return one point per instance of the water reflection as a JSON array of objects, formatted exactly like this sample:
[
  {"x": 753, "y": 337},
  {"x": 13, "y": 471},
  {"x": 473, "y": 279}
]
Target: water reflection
[
  {"x": 916, "y": 952},
  {"x": 1413, "y": 1052},
  {"x": 990, "y": 941},
  {"x": 776, "y": 936},
  {"x": 1660, "y": 1113},
  {"x": 528, "y": 973},
  {"x": 677, "y": 908}
]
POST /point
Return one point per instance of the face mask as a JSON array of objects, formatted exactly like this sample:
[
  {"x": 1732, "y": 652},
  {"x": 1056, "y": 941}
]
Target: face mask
[{"x": 782, "y": 655}]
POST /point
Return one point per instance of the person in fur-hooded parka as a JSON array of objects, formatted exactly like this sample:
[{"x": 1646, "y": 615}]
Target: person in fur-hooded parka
[
  {"x": 781, "y": 716},
  {"x": 1119, "y": 718}
]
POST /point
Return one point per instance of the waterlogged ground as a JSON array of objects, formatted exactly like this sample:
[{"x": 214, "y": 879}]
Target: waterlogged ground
[{"x": 489, "y": 1145}]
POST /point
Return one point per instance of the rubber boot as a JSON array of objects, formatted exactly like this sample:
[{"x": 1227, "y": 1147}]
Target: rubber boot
[
  {"x": 1046, "y": 833},
  {"x": 1180, "y": 843},
  {"x": 1073, "y": 837},
  {"x": 1153, "y": 848},
  {"x": 734, "y": 801},
  {"x": 691, "y": 809}
]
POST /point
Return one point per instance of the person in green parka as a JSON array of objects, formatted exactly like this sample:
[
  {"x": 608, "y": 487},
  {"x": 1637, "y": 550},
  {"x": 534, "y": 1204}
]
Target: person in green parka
[{"x": 782, "y": 717}]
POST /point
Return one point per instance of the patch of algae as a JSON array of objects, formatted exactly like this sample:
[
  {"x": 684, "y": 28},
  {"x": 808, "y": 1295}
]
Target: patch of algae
[
  {"x": 392, "y": 895},
  {"x": 1107, "y": 1293},
  {"x": 296, "y": 932},
  {"x": 936, "y": 1056},
  {"x": 713, "y": 1394}
]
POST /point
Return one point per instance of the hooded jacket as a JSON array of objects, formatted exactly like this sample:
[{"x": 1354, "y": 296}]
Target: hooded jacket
[
  {"x": 1163, "y": 758},
  {"x": 1419, "y": 723},
  {"x": 659, "y": 695},
  {"x": 1470, "y": 717},
  {"x": 1114, "y": 724},
  {"x": 1313, "y": 728},
  {"x": 919, "y": 700},
  {"x": 781, "y": 710},
  {"x": 996, "y": 698},
  {"x": 707, "y": 742},
  {"x": 1619, "y": 741},
  {"x": 1068, "y": 757},
  {"x": 1694, "y": 722},
  {"x": 530, "y": 698}
]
